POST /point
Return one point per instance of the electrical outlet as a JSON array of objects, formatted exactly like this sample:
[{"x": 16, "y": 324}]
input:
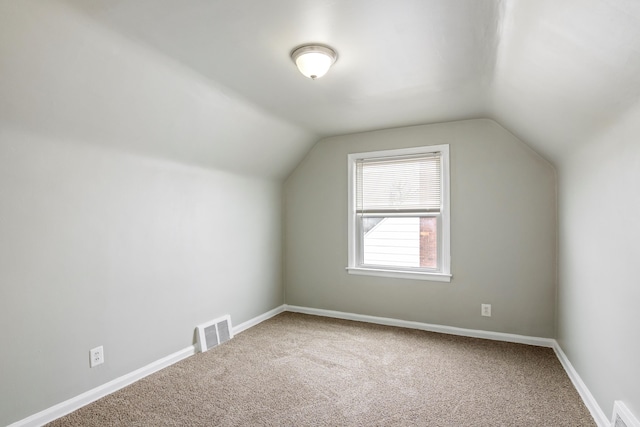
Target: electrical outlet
[
  {"x": 485, "y": 310},
  {"x": 96, "y": 356}
]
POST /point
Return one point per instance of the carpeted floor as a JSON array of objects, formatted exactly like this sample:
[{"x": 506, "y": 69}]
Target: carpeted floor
[{"x": 299, "y": 370}]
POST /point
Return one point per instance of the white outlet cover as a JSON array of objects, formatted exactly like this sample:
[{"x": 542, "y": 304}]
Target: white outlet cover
[
  {"x": 485, "y": 310},
  {"x": 96, "y": 356}
]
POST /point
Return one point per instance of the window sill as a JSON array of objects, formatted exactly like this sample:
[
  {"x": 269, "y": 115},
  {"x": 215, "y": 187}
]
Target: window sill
[{"x": 399, "y": 274}]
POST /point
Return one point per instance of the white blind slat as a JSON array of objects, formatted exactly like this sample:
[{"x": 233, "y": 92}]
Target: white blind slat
[{"x": 399, "y": 185}]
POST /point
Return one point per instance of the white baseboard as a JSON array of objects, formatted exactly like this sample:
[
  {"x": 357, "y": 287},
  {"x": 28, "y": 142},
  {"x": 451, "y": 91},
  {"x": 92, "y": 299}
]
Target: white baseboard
[
  {"x": 451, "y": 330},
  {"x": 596, "y": 412},
  {"x": 258, "y": 319},
  {"x": 92, "y": 395}
]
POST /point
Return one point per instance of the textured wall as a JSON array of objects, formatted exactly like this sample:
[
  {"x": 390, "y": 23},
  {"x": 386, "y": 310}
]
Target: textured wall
[
  {"x": 503, "y": 215},
  {"x": 598, "y": 314},
  {"x": 99, "y": 247}
]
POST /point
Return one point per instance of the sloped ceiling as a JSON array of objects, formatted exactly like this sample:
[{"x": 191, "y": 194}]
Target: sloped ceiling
[
  {"x": 209, "y": 81},
  {"x": 566, "y": 70}
]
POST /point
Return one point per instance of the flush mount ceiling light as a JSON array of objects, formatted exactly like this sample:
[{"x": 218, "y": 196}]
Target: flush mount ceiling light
[{"x": 314, "y": 60}]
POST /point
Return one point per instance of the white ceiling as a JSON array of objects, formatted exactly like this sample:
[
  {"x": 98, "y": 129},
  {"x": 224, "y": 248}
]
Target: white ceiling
[
  {"x": 208, "y": 81},
  {"x": 400, "y": 63},
  {"x": 566, "y": 70}
]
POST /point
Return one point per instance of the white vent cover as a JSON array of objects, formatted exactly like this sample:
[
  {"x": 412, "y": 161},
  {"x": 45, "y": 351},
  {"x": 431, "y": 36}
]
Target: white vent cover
[
  {"x": 622, "y": 416},
  {"x": 215, "y": 332}
]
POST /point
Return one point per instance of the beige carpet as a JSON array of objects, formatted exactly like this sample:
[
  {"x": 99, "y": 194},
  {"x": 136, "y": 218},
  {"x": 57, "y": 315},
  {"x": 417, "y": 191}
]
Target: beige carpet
[{"x": 299, "y": 370}]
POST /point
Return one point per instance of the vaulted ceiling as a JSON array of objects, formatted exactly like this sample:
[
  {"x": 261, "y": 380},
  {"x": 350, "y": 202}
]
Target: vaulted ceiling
[{"x": 211, "y": 81}]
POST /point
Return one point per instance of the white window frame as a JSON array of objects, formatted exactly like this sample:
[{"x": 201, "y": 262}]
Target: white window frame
[{"x": 444, "y": 238}]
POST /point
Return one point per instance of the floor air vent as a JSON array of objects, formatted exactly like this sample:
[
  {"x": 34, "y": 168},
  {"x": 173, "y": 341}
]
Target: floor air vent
[
  {"x": 622, "y": 417},
  {"x": 215, "y": 332}
]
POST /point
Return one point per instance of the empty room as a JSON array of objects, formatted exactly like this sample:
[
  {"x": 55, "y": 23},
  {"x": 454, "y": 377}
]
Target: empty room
[{"x": 295, "y": 212}]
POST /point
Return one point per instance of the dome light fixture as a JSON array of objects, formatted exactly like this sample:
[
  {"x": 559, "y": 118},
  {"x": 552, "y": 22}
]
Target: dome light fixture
[{"x": 314, "y": 60}]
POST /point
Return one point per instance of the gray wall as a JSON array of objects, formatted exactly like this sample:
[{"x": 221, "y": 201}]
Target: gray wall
[
  {"x": 599, "y": 291},
  {"x": 503, "y": 214},
  {"x": 99, "y": 247}
]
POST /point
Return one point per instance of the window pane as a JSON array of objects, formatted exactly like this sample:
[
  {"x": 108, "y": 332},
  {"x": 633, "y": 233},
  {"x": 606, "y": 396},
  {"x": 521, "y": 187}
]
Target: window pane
[
  {"x": 369, "y": 223},
  {"x": 429, "y": 242},
  {"x": 400, "y": 242}
]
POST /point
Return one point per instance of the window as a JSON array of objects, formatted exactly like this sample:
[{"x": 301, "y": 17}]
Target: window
[{"x": 399, "y": 213}]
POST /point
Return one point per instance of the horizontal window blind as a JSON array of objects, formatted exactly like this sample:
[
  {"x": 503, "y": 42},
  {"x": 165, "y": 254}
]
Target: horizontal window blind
[{"x": 400, "y": 185}]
